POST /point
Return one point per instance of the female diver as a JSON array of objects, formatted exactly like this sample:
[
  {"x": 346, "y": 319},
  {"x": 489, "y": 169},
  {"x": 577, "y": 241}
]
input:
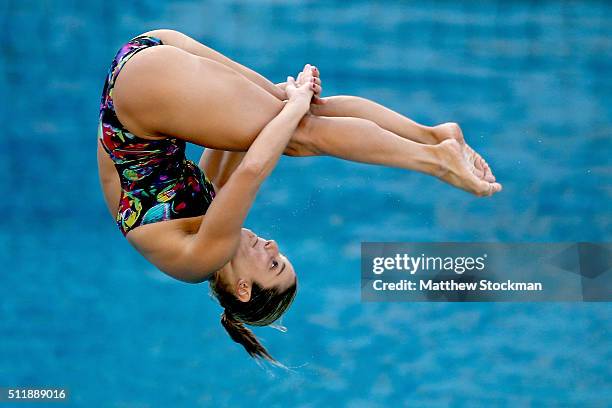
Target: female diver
[{"x": 164, "y": 89}]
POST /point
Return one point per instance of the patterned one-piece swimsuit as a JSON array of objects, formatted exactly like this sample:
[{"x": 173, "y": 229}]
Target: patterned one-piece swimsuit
[{"x": 157, "y": 182}]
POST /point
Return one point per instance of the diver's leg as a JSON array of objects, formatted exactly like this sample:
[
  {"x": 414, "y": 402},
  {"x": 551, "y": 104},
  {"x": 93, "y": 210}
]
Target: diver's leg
[
  {"x": 346, "y": 105},
  {"x": 333, "y": 106},
  {"x": 348, "y": 137},
  {"x": 362, "y": 140},
  {"x": 336, "y": 105},
  {"x": 164, "y": 91},
  {"x": 192, "y": 46}
]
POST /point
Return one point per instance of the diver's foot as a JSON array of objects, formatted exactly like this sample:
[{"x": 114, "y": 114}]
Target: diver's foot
[
  {"x": 452, "y": 131},
  {"x": 458, "y": 168}
]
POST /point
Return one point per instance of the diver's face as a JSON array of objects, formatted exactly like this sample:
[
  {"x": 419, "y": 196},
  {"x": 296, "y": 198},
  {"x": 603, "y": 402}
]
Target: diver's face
[{"x": 260, "y": 260}]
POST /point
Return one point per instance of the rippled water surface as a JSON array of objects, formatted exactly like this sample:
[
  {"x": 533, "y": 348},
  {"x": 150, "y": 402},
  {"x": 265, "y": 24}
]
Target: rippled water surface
[{"x": 528, "y": 81}]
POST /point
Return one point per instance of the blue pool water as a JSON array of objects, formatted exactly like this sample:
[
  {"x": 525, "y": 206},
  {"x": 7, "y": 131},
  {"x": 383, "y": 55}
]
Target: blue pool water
[{"x": 530, "y": 84}]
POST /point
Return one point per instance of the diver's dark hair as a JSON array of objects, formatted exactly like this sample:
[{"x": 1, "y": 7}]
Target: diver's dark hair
[{"x": 264, "y": 307}]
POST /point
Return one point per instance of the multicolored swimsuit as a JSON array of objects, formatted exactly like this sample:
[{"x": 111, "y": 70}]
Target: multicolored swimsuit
[{"x": 157, "y": 182}]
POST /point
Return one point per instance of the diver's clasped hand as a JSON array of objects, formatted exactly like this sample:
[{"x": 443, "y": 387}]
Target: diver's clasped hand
[
  {"x": 303, "y": 88},
  {"x": 310, "y": 74},
  {"x": 316, "y": 74}
]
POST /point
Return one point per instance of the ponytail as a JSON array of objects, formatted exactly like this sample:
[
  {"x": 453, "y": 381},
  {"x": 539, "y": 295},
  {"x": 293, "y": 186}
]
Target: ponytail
[
  {"x": 265, "y": 307},
  {"x": 245, "y": 337}
]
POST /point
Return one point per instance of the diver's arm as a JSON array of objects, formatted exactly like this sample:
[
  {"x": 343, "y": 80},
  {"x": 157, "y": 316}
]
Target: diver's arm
[
  {"x": 219, "y": 233},
  {"x": 219, "y": 165}
]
